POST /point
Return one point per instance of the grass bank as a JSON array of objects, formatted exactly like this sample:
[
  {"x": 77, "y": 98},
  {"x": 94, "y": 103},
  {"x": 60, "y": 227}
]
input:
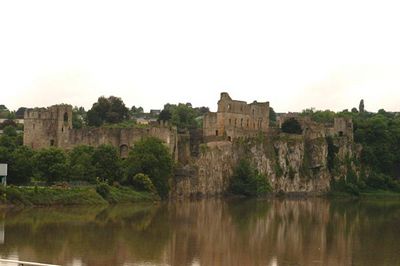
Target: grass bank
[
  {"x": 370, "y": 194},
  {"x": 71, "y": 196}
]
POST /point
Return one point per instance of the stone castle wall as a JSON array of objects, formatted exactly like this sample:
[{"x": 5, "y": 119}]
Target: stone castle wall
[{"x": 53, "y": 127}]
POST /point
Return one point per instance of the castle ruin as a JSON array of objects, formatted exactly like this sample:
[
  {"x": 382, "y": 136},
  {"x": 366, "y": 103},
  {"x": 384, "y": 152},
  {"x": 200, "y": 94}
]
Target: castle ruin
[
  {"x": 52, "y": 126},
  {"x": 236, "y": 119}
]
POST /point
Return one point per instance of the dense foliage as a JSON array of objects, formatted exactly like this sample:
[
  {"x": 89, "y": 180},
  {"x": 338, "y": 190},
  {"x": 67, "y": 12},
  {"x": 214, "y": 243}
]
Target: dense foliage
[
  {"x": 326, "y": 116},
  {"x": 150, "y": 157},
  {"x": 182, "y": 115},
  {"x": 107, "y": 110},
  {"x": 379, "y": 135},
  {"x": 247, "y": 181}
]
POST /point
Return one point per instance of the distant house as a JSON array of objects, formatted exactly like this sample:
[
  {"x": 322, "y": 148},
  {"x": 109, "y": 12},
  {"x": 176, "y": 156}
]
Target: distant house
[
  {"x": 155, "y": 112},
  {"x": 145, "y": 121},
  {"x": 142, "y": 121}
]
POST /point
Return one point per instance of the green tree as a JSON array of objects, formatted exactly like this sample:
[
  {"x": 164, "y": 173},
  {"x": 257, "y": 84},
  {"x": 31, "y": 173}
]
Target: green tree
[
  {"x": 10, "y": 139},
  {"x": 151, "y": 157},
  {"x": 21, "y": 166},
  {"x": 3, "y": 111},
  {"x": 8, "y": 122},
  {"x": 247, "y": 181},
  {"x": 20, "y": 112},
  {"x": 107, "y": 110},
  {"x": 81, "y": 163},
  {"x": 10, "y": 131},
  {"x": 183, "y": 116},
  {"x": 201, "y": 110},
  {"x": 107, "y": 163},
  {"x": 51, "y": 165},
  {"x": 291, "y": 126},
  {"x": 136, "y": 110},
  {"x": 165, "y": 115}
]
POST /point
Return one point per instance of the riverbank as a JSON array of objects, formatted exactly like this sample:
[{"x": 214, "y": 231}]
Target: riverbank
[
  {"x": 371, "y": 194},
  {"x": 70, "y": 196}
]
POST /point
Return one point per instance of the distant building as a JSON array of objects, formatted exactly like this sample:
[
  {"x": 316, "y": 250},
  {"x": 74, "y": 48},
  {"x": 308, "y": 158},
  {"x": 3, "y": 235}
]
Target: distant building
[
  {"x": 142, "y": 121},
  {"x": 155, "y": 112}
]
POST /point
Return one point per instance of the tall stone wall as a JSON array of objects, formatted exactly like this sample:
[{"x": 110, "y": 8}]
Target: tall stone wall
[
  {"x": 122, "y": 138},
  {"x": 46, "y": 127}
]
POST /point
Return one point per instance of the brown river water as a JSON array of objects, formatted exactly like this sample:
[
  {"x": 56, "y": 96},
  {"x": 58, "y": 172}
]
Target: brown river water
[{"x": 207, "y": 232}]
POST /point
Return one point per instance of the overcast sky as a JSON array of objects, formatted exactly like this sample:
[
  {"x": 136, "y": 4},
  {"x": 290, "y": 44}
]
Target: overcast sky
[{"x": 294, "y": 54}]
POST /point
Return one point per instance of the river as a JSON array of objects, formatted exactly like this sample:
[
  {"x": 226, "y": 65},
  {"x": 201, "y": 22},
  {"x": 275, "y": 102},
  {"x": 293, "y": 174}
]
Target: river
[{"x": 207, "y": 232}]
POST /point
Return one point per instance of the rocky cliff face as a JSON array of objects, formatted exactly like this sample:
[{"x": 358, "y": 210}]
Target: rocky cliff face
[{"x": 291, "y": 163}]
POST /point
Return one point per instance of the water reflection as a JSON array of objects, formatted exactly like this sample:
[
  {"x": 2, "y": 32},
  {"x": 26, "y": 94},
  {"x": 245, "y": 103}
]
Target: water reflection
[{"x": 210, "y": 232}]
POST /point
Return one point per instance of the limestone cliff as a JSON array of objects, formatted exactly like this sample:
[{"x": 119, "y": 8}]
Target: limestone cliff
[{"x": 291, "y": 163}]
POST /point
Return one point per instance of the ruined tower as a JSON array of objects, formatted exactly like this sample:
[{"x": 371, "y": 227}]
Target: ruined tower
[
  {"x": 236, "y": 118},
  {"x": 44, "y": 127}
]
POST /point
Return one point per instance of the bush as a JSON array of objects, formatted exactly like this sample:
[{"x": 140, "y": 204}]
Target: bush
[
  {"x": 342, "y": 186},
  {"x": 377, "y": 181},
  {"x": 103, "y": 189},
  {"x": 142, "y": 182},
  {"x": 14, "y": 196},
  {"x": 247, "y": 181}
]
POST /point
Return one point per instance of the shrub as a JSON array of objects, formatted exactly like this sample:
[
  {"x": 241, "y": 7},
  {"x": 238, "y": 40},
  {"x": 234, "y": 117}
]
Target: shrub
[
  {"x": 247, "y": 181},
  {"x": 377, "y": 181},
  {"x": 103, "y": 189},
  {"x": 142, "y": 182}
]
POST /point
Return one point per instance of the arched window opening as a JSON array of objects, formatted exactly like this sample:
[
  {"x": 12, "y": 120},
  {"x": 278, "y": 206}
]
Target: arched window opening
[
  {"x": 65, "y": 117},
  {"x": 216, "y": 132}
]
